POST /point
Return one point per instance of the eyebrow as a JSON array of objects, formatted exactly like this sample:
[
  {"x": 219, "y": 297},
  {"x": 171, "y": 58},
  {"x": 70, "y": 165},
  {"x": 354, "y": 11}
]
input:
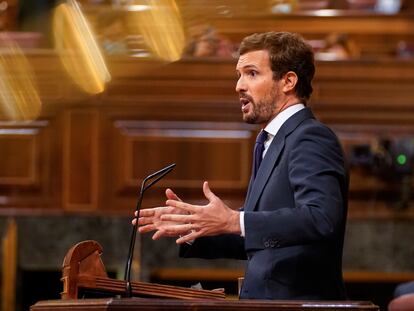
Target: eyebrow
[{"x": 248, "y": 66}]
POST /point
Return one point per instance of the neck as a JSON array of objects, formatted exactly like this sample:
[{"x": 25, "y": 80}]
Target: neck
[{"x": 288, "y": 103}]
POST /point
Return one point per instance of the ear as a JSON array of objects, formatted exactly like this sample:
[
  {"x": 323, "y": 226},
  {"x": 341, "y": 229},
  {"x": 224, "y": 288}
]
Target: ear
[{"x": 289, "y": 81}]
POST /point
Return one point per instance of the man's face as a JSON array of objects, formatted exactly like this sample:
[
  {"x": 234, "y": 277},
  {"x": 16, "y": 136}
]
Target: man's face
[{"x": 259, "y": 93}]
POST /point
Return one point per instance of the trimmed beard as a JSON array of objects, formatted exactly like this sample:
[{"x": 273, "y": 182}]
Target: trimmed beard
[{"x": 262, "y": 111}]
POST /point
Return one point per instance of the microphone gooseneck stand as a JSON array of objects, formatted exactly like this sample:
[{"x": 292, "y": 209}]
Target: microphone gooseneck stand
[{"x": 151, "y": 179}]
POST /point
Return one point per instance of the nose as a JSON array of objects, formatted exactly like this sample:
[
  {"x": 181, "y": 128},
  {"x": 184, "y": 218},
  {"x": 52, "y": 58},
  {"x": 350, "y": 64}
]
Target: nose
[{"x": 240, "y": 85}]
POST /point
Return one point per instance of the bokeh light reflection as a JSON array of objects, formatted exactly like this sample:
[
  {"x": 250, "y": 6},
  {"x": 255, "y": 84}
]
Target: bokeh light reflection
[
  {"x": 162, "y": 28},
  {"x": 77, "y": 48},
  {"x": 19, "y": 97}
]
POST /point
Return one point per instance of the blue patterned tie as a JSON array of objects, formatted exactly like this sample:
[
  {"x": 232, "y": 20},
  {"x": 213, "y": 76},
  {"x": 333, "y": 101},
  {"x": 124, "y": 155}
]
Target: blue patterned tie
[{"x": 258, "y": 151}]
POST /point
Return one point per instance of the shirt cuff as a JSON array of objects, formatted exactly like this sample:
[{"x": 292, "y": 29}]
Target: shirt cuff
[{"x": 243, "y": 232}]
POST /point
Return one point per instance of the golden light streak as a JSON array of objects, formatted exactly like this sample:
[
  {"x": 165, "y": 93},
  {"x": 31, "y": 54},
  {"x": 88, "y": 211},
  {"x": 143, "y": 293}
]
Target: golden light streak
[
  {"x": 77, "y": 48},
  {"x": 19, "y": 97},
  {"x": 162, "y": 28}
]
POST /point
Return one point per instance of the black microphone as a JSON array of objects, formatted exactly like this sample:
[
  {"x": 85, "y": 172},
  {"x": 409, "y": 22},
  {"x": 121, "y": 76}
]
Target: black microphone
[{"x": 151, "y": 179}]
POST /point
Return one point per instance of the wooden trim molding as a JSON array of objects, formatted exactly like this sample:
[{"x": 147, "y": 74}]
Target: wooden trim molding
[{"x": 80, "y": 159}]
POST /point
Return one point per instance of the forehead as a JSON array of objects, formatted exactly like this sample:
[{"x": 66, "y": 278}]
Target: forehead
[{"x": 258, "y": 59}]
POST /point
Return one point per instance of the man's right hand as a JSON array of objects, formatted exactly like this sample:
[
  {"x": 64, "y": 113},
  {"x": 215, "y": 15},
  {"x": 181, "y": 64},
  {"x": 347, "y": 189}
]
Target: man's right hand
[{"x": 150, "y": 218}]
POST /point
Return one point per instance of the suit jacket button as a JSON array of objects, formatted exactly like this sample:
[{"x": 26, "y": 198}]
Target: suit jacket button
[
  {"x": 266, "y": 244},
  {"x": 272, "y": 244},
  {"x": 276, "y": 243}
]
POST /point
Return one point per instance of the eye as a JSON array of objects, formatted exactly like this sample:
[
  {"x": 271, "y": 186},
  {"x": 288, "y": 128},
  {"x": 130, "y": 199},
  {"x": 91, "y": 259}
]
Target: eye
[{"x": 252, "y": 73}]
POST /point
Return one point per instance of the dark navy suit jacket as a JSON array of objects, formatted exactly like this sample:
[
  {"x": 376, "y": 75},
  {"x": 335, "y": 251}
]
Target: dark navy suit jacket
[
  {"x": 295, "y": 215},
  {"x": 404, "y": 289}
]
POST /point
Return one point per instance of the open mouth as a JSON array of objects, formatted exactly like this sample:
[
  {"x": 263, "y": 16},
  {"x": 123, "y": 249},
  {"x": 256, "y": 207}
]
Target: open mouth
[
  {"x": 244, "y": 101},
  {"x": 244, "y": 104}
]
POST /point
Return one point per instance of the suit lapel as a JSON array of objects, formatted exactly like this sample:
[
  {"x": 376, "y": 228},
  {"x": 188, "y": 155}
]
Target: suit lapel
[
  {"x": 265, "y": 169},
  {"x": 257, "y": 185}
]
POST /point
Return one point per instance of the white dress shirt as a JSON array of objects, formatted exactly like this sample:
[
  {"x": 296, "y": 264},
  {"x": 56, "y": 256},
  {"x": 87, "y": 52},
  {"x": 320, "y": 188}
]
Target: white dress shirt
[{"x": 272, "y": 128}]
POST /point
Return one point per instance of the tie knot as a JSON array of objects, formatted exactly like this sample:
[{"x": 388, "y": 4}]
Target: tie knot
[{"x": 261, "y": 138}]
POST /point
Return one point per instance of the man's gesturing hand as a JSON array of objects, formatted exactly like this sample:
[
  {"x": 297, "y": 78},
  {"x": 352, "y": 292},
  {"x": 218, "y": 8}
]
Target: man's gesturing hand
[
  {"x": 208, "y": 220},
  {"x": 149, "y": 219}
]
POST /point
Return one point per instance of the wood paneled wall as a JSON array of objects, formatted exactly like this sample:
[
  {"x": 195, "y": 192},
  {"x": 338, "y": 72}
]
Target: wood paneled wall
[
  {"x": 29, "y": 172},
  {"x": 88, "y": 154}
]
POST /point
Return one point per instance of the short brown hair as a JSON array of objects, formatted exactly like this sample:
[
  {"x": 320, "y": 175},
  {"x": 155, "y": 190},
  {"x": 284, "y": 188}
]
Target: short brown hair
[{"x": 287, "y": 52}]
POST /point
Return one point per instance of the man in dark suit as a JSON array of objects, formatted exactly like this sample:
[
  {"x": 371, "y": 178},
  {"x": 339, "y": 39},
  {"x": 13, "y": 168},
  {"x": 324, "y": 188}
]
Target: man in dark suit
[{"x": 291, "y": 227}]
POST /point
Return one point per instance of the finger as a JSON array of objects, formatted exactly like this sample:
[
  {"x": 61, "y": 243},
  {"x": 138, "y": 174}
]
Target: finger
[
  {"x": 176, "y": 230},
  {"x": 156, "y": 235},
  {"x": 146, "y": 228},
  {"x": 145, "y": 221},
  {"x": 184, "y": 206},
  {"x": 188, "y": 238},
  {"x": 207, "y": 192},
  {"x": 177, "y": 218},
  {"x": 134, "y": 221},
  {"x": 159, "y": 234},
  {"x": 171, "y": 195},
  {"x": 148, "y": 212}
]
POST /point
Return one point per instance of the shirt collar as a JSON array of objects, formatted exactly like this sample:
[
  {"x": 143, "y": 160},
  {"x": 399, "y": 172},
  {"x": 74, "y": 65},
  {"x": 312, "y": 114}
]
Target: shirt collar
[{"x": 273, "y": 127}]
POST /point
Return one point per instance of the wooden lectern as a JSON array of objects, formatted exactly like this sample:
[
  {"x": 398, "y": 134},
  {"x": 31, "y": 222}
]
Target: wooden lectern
[
  {"x": 83, "y": 269},
  {"x": 146, "y": 304}
]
